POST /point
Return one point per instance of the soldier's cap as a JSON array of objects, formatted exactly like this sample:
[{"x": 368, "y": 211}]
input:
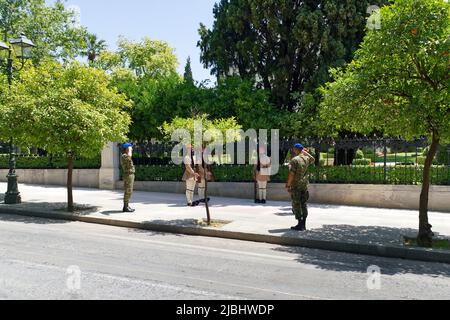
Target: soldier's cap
[
  {"x": 299, "y": 146},
  {"x": 127, "y": 145}
]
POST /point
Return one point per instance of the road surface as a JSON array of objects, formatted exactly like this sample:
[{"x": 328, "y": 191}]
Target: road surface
[{"x": 48, "y": 259}]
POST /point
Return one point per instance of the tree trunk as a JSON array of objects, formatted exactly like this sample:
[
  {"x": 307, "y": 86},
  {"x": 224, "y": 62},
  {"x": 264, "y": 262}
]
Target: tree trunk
[
  {"x": 70, "y": 206},
  {"x": 425, "y": 237}
]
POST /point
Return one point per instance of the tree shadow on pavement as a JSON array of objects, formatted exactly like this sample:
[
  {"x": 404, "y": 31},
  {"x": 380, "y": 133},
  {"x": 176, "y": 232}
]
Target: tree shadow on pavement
[
  {"x": 354, "y": 234},
  {"x": 111, "y": 212},
  {"x": 348, "y": 262},
  {"x": 4, "y": 217},
  {"x": 339, "y": 261}
]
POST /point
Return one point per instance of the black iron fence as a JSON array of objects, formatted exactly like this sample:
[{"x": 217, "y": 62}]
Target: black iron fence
[
  {"x": 359, "y": 160},
  {"x": 34, "y": 158}
]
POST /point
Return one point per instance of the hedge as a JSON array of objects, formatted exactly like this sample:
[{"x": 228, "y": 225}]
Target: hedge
[
  {"x": 362, "y": 162},
  {"x": 396, "y": 175},
  {"x": 38, "y": 162}
]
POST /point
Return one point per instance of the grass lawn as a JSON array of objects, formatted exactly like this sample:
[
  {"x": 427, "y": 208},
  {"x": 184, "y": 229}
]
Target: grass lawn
[
  {"x": 400, "y": 157},
  {"x": 437, "y": 243}
]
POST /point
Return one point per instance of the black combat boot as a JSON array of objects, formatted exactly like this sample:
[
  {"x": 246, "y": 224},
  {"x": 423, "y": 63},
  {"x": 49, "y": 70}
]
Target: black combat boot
[
  {"x": 126, "y": 208},
  {"x": 298, "y": 227},
  {"x": 303, "y": 224}
]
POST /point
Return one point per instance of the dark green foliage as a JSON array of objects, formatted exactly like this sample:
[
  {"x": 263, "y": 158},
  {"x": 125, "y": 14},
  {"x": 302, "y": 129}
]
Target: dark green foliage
[
  {"x": 396, "y": 175},
  {"x": 35, "y": 162},
  {"x": 359, "y": 154},
  {"x": 188, "y": 76},
  {"x": 285, "y": 46},
  {"x": 362, "y": 162}
]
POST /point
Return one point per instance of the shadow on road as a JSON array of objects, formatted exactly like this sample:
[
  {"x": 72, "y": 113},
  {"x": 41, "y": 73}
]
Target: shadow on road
[
  {"x": 337, "y": 261},
  {"x": 355, "y": 234},
  {"x": 29, "y": 220}
]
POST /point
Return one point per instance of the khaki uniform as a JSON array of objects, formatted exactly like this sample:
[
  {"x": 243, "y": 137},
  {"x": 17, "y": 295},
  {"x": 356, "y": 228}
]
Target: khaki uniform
[
  {"x": 128, "y": 176},
  {"x": 300, "y": 195},
  {"x": 190, "y": 180},
  {"x": 263, "y": 176}
]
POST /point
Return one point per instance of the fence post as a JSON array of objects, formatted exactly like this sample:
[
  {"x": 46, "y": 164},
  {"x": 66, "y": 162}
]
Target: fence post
[{"x": 109, "y": 172}]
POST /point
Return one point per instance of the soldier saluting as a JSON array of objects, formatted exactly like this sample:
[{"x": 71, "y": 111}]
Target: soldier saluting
[
  {"x": 129, "y": 171},
  {"x": 297, "y": 184}
]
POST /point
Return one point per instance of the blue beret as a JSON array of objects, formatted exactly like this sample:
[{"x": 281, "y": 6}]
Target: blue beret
[
  {"x": 299, "y": 146},
  {"x": 127, "y": 145}
]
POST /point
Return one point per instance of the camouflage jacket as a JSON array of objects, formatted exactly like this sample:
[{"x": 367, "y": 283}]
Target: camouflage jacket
[
  {"x": 299, "y": 167},
  {"x": 127, "y": 165}
]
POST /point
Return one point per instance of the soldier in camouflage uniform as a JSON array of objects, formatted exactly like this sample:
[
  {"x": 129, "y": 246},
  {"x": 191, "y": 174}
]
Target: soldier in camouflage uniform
[
  {"x": 128, "y": 175},
  {"x": 297, "y": 184}
]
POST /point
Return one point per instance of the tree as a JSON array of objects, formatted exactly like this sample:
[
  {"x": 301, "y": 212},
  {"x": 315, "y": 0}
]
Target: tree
[
  {"x": 64, "y": 109},
  {"x": 188, "y": 77},
  {"x": 145, "y": 72},
  {"x": 94, "y": 47},
  {"x": 145, "y": 58},
  {"x": 239, "y": 98},
  {"x": 398, "y": 84},
  {"x": 284, "y": 46},
  {"x": 216, "y": 128},
  {"x": 50, "y": 27}
]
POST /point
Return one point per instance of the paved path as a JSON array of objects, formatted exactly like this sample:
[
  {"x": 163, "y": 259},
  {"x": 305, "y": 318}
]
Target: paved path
[{"x": 352, "y": 225}]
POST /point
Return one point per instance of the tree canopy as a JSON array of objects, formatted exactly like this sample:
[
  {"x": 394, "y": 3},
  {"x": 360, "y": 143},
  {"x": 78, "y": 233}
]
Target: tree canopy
[
  {"x": 51, "y": 27},
  {"x": 284, "y": 46},
  {"x": 399, "y": 83},
  {"x": 64, "y": 109}
]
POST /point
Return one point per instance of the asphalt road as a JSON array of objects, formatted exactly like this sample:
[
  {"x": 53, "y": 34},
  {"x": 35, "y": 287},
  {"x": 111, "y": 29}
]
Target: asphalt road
[{"x": 47, "y": 259}]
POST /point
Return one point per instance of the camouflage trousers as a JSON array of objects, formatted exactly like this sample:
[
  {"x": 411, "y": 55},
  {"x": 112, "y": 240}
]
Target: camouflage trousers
[
  {"x": 128, "y": 185},
  {"x": 299, "y": 203}
]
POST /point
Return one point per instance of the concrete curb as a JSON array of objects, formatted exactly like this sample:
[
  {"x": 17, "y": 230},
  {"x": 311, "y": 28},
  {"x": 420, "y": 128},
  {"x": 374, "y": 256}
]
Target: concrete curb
[{"x": 420, "y": 254}]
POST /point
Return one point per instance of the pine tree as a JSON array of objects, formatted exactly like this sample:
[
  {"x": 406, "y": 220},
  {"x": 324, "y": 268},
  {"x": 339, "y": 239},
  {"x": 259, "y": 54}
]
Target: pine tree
[{"x": 188, "y": 77}]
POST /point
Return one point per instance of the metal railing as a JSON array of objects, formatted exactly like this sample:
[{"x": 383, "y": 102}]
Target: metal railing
[{"x": 348, "y": 160}]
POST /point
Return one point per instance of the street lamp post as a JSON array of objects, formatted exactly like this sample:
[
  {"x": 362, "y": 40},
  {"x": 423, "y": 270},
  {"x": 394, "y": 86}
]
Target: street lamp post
[{"x": 22, "y": 48}]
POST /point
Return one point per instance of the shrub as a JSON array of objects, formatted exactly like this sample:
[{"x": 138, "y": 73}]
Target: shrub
[
  {"x": 357, "y": 174},
  {"x": 421, "y": 160},
  {"x": 37, "y": 162},
  {"x": 359, "y": 154},
  {"x": 362, "y": 162}
]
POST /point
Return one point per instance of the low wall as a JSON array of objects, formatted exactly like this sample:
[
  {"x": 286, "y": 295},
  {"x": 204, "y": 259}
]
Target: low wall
[
  {"x": 379, "y": 196},
  {"x": 85, "y": 178}
]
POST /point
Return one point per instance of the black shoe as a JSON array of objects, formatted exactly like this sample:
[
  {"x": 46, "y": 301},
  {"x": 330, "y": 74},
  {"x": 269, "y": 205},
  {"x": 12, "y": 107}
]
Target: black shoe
[
  {"x": 297, "y": 227},
  {"x": 263, "y": 201},
  {"x": 203, "y": 200},
  {"x": 128, "y": 209},
  {"x": 195, "y": 203},
  {"x": 257, "y": 201},
  {"x": 303, "y": 225}
]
